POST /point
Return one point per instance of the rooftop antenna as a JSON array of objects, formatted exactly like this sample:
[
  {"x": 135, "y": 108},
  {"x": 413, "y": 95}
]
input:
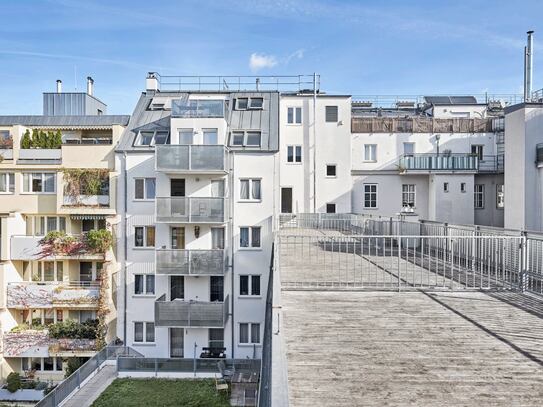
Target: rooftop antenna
[
  {"x": 528, "y": 64},
  {"x": 225, "y": 85}
]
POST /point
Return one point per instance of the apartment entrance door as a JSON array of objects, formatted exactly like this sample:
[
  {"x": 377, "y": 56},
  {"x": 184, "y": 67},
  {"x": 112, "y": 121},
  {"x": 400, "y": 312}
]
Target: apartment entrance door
[
  {"x": 286, "y": 200},
  {"x": 176, "y": 342}
]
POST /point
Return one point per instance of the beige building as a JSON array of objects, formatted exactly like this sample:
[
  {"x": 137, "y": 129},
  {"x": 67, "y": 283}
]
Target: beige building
[{"x": 57, "y": 196}]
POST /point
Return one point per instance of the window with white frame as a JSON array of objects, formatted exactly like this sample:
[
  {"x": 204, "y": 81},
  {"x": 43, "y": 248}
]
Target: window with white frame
[
  {"x": 479, "y": 196},
  {"x": 144, "y": 236},
  {"x": 144, "y": 332},
  {"x": 186, "y": 136},
  {"x": 7, "y": 183},
  {"x": 478, "y": 151},
  {"x": 144, "y": 188},
  {"x": 249, "y": 138},
  {"x": 331, "y": 170},
  {"x": 48, "y": 271},
  {"x": 39, "y": 182},
  {"x": 151, "y": 138},
  {"x": 294, "y": 115},
  {"x": 370, "y": 152},
  {"x": 253, "y": 103},
  {"x": 500, "y": 196},
  {"x": 256, "y": 103},
  {"x": 249, "y": 333},
  {"x": 46, "y": 224},
  {"x": 370, "y": 196},
  {"x": 294, "y": 154},
  {"x": 249, "y": 237},
  {"x": 408, "y": 195},
  {"x": 250, "y": 189},
  {"x": 49, "y": 364},
  {"x": 144, "y": 284},
  {"x": 249, "y": 285}
]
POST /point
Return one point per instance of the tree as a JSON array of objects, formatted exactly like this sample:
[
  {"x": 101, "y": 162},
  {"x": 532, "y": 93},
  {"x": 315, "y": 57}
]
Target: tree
[{"x": 26, "y": 141}]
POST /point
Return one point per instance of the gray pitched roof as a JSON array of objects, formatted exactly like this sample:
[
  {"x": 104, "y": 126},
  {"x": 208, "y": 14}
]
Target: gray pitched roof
[{"x": 65, "y": 121}]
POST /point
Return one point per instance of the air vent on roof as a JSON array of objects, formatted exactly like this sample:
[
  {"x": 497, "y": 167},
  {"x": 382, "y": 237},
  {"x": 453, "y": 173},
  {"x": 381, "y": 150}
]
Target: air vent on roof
[{"x": 405, "y": 103}]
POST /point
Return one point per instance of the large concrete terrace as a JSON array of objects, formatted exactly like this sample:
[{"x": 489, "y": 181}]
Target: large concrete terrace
[{"x": 398, "y": 323}]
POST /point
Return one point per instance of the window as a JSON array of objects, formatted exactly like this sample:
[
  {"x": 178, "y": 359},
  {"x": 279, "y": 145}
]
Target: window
[
  {"x": 331, "y": 113},
  {"x": 210, "y": 137},
  {"x": 49, "y": 271},
  {"x": 217, "y": 238},
  {"x": 462, "y": 187},
  {"x": 249, "y": 237},
  {"x": 216, "y": 338},
  {"x": 144, "y": 188},
  {"x": 217, "y": 188},
  {"x": 39, "y": 182},
  {"x": 409, "y": 148},
  {"x": 445, "y": 187},
  {"x": 50, "y": 364},
  {"x": 294, "y": 154},
  {"x": 370, "y": 196},
  {"x": 408, "y": 195},
  {"x": 370, "y": 152},
  {"x": 331, "y": 170},
  {"x": 46, "y": 224},
  {"x": 186, "y": 136},
  {"x": 479, "y": 196},
  {"x": 242, "y": 103},
  {"x": 477, "y": 150},
  {"x": 144, "y": 332},
  {"x": 250, "y": 190},
  {"x": 294, "y": 115},
  {"x": 331, "y": 208},
  {"x": 144, "y": 236},
  {"x": 500, "y": 196},
  {"x": 249, "y": 285},
  {"x": 249, "y": 333},
  {"x": 7, "y": 182},
  {"x": 251, "y": 138},
  {"x": 256, "y": 103},
  {"x": 151, "y": 138},
  {"x": 144, "y": 284}
]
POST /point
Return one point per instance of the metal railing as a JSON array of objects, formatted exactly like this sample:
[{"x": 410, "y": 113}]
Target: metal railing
[
  {"x": 197, "y": 108},
  {"x": 190, "y": 262},
  {"x": 492, "y": 163},
  {"x": 238, "y": 83},
  {"x": 187, "y": 314},
  {"x": 191, "y": 209},
  {"x": 264, "y": 390},
  {"x": 522, "y": 255},
  {"x": 184, "y": 365},
  {"x": 393, "y": 100},
  {"x": 191, "y": 158},
  {"x": 438, "y": 162},
  {"x": 420, "y": 124},
  {"x": 74, "y": 381}
]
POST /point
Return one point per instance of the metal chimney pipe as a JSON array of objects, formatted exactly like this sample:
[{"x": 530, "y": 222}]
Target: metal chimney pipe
[
  {"x": 529, "y": 60},
  {"x": 59, "y": 86},
  {"x": 90, "y": 85}
]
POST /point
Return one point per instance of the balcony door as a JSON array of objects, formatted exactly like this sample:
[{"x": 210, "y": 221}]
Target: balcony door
[
  {"x": 177, "y": 187},
  {"x": 177, "y": 287},
  {"x": 216, "y": 288},
  {"x": 177, "y": 342},
  {"x": 286, "y": 200},
  {"x": 85, "y": 271},
  {"x": 177, "y": 238}
]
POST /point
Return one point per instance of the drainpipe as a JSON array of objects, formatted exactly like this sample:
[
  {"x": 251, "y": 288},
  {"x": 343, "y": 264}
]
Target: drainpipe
[
  {"x": 314, "y": 142},
  {"x": 125, "y": 249},
  {"x": 232, "y": 282}
]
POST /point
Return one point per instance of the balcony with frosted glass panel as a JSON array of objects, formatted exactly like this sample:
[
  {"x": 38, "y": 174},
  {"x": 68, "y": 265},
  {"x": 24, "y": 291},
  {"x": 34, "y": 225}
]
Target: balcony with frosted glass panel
[
  {"x": 187, "y": 159},
  {"x": 438, "y": 163},
  {"x": 191, "y": 314},
  {"x": 174, "y": 209},
  {"x": 190, "y": 262},
  {"x": 197, "y": 108}
]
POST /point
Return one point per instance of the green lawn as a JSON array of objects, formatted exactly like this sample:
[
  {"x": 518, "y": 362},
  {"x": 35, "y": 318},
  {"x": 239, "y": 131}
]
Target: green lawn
[{"x": 162, "y": 393}]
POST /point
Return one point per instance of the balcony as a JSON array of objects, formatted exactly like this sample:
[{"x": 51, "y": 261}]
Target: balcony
[
  {"x": 191, "y": 210},
  {"x": 190, "y": 314},
  {"x": 186, "y": 159},
  {"x": 40, "y": 156},
  {"x": 190, "y": 262},
  {"x": 74, "y": 294},
  {"x": 183, "y": 108},
  {"x": 29, "y": 248},
  {"x": 38, "y": 343},
  {"x": 438, "y": 162}
]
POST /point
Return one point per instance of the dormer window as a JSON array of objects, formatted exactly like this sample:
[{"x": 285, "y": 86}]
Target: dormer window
[
  {"x": 256, "y": 103},
  {"x": 251, "y": 138},
  {"x": 151, "y": 138},
  {"x": 242, "y": 103}
]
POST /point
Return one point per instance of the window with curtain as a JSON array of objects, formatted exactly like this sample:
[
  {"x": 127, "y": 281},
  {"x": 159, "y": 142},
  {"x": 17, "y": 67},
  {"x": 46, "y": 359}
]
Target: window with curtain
[
  {"x": 250, "y": 189},
  {"x": 244, "y": 237},
  {"x": 244, "y": 189},
  {"x": 39, "y": 182},
  {"x": 217, "y": 238},
  {"x": 217, "y": 188},
  {"x": 7, "y": 182},
  {"x": 210, "y": 136},
  {"x": 186, "y": 136}
]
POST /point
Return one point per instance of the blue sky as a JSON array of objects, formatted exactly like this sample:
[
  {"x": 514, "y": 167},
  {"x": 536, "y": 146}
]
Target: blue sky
[{"x": 358, "y": 47}]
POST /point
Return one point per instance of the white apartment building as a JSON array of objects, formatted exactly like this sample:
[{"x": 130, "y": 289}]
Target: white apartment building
[
  {"x": 443, "y": 159},
  {"x": 42, "y": 191},
  {"x": 197, "y": 201}
]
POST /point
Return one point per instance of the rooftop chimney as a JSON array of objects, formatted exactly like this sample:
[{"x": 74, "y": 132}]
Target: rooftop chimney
[
  {"x": 151, "y": 82},
  {"x": 59, "y": 86},
  {"x": 90, "y": 86},
  {"x": 528, "y": 66}
]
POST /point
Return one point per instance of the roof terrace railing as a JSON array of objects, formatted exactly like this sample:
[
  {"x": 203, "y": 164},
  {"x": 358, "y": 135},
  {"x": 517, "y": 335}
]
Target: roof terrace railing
[
  {"x": 238, "y": 83},
  {"x": 392, "y": 101}
]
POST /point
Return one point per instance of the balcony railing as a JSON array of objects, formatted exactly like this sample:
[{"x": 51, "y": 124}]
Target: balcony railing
[
  {"x": 191, "y": 158},
  {"x": 29, "y": 248},
  {"x": 190, "y": 262},
  {"x": 438, "y": 162},
  {"x": 187, "y": 314},
  {"x": 33, "y": 294},
  {"x": 86, "y": 200},
  {"x": 191, "y": 210},
  {"x": 492, "y": 163},
  {"x": 184, "y": 108},
  {"x": 32, "y": 343},
  {"x": 40, "y": 156}
]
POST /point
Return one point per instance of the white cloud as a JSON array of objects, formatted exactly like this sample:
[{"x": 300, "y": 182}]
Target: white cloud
[
  {"x": 260, "y": 61},
  {"x": 298, "y": 54}
]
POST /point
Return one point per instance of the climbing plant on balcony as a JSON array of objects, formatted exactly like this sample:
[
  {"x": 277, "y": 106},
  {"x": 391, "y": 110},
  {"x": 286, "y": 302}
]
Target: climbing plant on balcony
[
  {"x": 41, "y": 139},
  {"x": 58, "y": 243},
  {"x": 80, "y": 182},
  {"x": 74, "y": 330}
]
